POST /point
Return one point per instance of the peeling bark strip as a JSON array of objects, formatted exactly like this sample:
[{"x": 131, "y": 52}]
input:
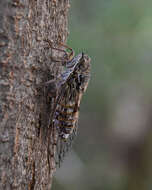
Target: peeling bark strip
[{"x": 25, "y": 63}]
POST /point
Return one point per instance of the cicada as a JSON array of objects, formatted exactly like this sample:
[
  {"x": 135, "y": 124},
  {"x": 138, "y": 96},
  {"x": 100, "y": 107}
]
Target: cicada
[{"x": 70, "y": 86}]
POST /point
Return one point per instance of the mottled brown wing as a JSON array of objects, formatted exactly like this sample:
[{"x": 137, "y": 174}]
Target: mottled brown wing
[
  {"x": 62, "y": 82},
  {"x": 71, "y": 86}
]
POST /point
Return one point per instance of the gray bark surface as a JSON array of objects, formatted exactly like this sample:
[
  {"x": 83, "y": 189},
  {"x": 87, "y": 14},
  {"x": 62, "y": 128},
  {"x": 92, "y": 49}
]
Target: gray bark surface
[{"x": 25, "y": 64}]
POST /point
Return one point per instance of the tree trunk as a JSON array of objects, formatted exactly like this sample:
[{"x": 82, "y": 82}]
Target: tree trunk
[{"x": 25, "y": 65}]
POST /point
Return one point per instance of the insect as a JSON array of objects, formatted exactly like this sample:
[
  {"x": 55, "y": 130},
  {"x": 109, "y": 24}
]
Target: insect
[{"x": 71, "y": 86}]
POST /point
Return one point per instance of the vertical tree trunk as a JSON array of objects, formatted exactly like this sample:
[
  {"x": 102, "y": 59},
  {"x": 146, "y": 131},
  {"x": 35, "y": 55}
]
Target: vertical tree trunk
[{"x": 25, "y": 64}]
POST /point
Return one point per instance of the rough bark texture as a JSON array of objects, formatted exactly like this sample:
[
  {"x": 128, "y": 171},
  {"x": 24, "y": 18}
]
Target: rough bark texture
[{"x": 25, "y": 63}]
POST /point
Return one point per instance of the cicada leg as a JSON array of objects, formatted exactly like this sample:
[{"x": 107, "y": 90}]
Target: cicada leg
[
  {"x": 71, "y": 55},
  {"x": 67, "y": 56}
]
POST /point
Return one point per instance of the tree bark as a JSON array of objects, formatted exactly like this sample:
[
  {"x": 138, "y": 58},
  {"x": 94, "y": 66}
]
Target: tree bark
[{"x": 25, "y": 65}]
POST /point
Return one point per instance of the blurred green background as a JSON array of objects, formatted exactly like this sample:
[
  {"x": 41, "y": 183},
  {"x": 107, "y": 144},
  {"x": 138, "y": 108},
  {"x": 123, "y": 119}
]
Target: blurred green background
[{"x": 113, "y": 147}]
